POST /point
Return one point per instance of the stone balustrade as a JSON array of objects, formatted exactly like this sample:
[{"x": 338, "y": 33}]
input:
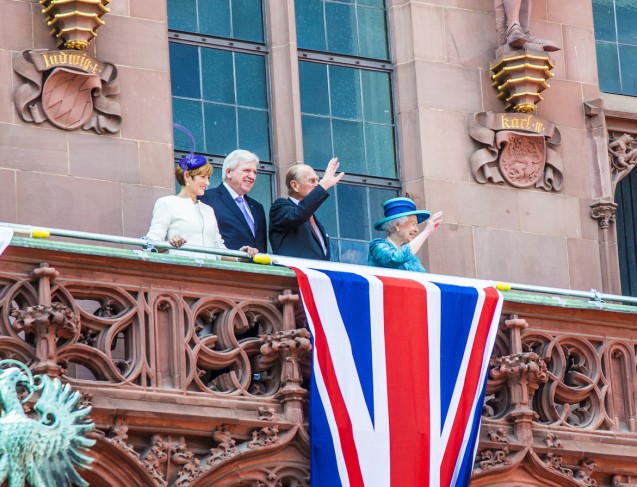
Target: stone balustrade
[{"x": 192, "y": 369}]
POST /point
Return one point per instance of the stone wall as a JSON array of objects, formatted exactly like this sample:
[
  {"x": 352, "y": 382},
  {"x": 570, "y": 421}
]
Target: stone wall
[
  {"x": 442, "y": 53},
  {"x": 80, "y": 180}
]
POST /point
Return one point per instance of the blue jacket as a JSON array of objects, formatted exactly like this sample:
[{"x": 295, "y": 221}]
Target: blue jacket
[
  {"x": 291, "y": 232},
  {"x": 232, "y": 224}
]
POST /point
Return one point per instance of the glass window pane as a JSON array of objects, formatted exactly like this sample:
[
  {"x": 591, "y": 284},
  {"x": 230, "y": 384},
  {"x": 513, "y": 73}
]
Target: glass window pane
[
  {"x": 215, "y": 179},
  {"x": 182, "y": 15},
  {"x": 372, "y": 3},
  {"x": 345, "y": 93},
  {"x": 335, "y": 255},
  {"x": 604, "y": 18},
  {"x": 314, "y": 93},
  {"x": 608, "y": 67},
  {"x": 188, "y": 113},
  {"x": 262, "y": 191},
  {"x": 253, "y": 132},
  {"x": 626, "y": 14},
  {"x": 317, "y": 141},
  {"x": 628, "y": 60},
  {"x": 310, "y": 24},
  {"x": 353, "y": 252},
  {"x": 377, "y": 96},
  {"x": 341, "y": 28},
  {"x": 349, "y": 146},
  {"x": 352, "y": 212},
  {"x": 372, "y": 33},
  {"x": 327, "y": 215},
  {"x": 250, "y": 77},
  {"x": 214, "y": 18},
  {"x": 218, "y": 79},
  {"x": 377, "y": 197},
  {"x": 184, "y": 70},
  {"x": 247, "y": 20},
  {"x": 381, "y": 154},
  {"x": 221, "y": 129}
]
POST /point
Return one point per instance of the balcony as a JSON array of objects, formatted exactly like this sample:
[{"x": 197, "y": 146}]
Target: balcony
[{"x": 193, "y": 371}]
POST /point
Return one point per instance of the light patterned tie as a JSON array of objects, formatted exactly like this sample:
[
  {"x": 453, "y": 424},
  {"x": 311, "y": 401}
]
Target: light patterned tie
[
  {"x": 242, "y": 206},
  {"x": 314, "y": 227},
  {"x": 318, "y": 234}
]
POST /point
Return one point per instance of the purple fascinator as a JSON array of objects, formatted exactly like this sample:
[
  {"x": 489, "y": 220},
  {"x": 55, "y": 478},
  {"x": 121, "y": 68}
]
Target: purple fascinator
[{"x": 191, "y": 161}]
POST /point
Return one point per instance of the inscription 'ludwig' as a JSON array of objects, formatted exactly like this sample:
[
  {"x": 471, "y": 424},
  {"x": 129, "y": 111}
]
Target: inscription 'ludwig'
[
  {"x": 522, "y": 159},
  {"x": 67, "y": 97}
]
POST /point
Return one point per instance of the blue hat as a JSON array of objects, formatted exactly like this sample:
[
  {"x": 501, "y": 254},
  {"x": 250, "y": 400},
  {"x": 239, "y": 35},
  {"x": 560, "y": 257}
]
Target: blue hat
[
  {"x": 191, "y": 161},
  {"x": 399, "y": 207}
]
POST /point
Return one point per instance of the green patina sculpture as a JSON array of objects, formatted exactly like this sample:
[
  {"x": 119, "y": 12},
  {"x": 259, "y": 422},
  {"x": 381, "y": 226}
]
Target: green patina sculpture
[{"x": 43, "y": 448}]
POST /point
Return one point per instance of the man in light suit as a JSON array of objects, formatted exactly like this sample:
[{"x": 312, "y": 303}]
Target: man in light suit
[
  {"x": 241, "y": 219},
  {"x": 294, "y": 230}
]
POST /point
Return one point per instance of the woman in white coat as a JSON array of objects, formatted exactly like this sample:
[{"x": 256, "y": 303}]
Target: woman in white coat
[{"x": 181, "y": 218}]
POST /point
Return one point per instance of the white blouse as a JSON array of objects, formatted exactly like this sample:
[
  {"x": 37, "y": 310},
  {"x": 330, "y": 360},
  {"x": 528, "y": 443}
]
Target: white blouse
[{"x": 196, "y": 223}]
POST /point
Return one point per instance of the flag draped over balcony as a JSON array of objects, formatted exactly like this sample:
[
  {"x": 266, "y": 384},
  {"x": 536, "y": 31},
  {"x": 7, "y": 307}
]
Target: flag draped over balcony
[{"x": 400, "y": 362}]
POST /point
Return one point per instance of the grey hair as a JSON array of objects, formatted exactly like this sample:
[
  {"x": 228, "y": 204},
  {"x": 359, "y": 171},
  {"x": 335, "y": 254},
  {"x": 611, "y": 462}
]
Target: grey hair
[
  {"x": 389, "y": 225},
  {"x": 233, "y": 159}
]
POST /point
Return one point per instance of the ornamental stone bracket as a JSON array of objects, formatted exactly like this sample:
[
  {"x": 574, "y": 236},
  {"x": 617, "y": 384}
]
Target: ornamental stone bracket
[
  {"x": 47, "y": 322},
  {"x": 519, "y": 76},
  {"x": 288, "y": 345},
  {"x": 604, "y": 212},
  {"x": 516, "y": 148}
]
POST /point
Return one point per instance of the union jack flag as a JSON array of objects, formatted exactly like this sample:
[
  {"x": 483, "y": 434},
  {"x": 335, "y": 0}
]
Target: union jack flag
[{"x": 400, "y": 362}]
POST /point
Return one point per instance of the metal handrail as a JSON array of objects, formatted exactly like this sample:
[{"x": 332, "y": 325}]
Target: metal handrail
[
  {"x": 593, "y": 295},
  {"x": 43, "y": 232},
  {"x": 147, "y": 244}
]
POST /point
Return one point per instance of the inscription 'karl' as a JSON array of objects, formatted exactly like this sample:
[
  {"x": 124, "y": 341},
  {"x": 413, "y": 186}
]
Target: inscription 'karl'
[{"x": 523, "y": 122}]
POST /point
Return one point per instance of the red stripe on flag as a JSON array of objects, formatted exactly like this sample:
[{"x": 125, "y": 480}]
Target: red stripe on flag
[
  {"x": 324, "y": 358},
  {"x": 407, "y": 357},
  {"x": 469, "y": 391}
]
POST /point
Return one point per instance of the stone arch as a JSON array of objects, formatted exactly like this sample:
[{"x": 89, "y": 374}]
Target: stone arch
[
  {"x": 289, "y": 465},
  {"x": 114, "y": 467}
]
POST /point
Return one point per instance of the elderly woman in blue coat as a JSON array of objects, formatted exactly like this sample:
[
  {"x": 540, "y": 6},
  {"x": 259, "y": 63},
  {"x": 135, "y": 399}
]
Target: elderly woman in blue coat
[{"x": 404, "y": 239}]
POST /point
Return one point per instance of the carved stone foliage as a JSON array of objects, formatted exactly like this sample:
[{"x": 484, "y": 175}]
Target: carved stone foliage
[
  {"x": 174, "y": 460},
  {"x": 125, "y": 335},
  {"x": 170, "y": 461}
]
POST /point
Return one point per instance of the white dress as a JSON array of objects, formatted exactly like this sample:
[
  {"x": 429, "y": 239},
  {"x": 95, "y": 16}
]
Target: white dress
[{"x": 196, "y": 223}]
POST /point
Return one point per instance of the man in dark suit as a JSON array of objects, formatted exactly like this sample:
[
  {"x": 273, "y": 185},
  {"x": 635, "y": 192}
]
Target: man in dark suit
[
  {"x": 294, "y": 230},
  {"x": 241, "y": 219}
]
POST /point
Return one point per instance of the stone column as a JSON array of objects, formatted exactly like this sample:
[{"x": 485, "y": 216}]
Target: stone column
[{"x": 287, "y": 134}]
